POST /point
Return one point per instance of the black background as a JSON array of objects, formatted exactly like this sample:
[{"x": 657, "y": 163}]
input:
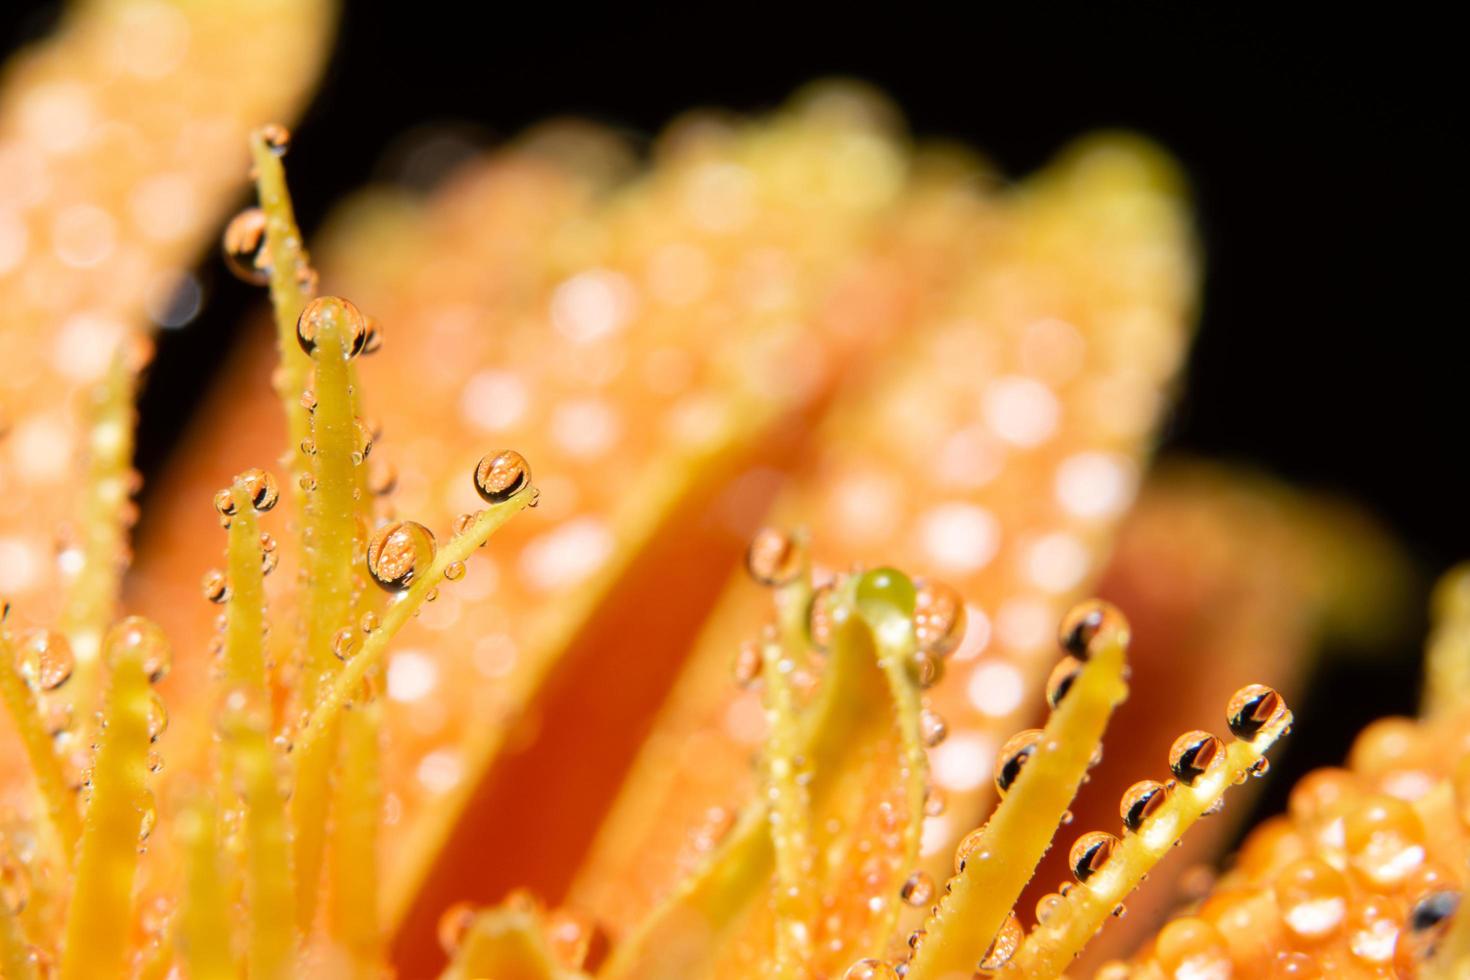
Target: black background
[{"x": 1331, "y": 350}]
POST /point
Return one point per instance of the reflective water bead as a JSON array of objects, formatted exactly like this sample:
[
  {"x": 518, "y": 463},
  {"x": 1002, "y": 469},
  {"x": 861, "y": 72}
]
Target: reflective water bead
[
  {"x": 773, "y": 558},
  {"x": 224, "y": 504},
  {"x": 148, "y": 638},
  {"x": 463, "y": 522},
  {"x": 1014, "y": 754},
  {"x": 1193, "y": 754},
  {"x": 1090, "y": 623},
  {"x": 454, "y": 571},
  {"x": 500, "y": 476},
  {"x": 1090, "y": 852},
  {"x": 260, "y": 487},
  {"x": 1252, "y": 708},
  {"x": 215, "y": 586},
  {"x": 1003, "y": 947},
  {"x": 917, "y": 889},
  {"x": 968, "y": 849},
  {"x": 925, "y": 669},
  {"x": 398, "y": 552},
  {"x": 245, "y": 247},
  {"x": 268, "y": 556},
  {"x": 870, "y": 969},
  {"x": 932, "y": 727},
  {"x": 277, "y": 138},
  {"x": 748, "y": 663},
  {"x": 939, "y": 618},
  {"x": 454, "y": 925},
  {"x": 1141, "y": 801},
  {"x": 309, "y": 324},
  {"x": 345, "y": 643},
  {"x": 372, "y": 342},
  {"x": 157, "y": 716},
  {"x": 821, "y": 616},
  {"x": 1051, "y": 909},
  {"x": 362, "y": 444},
  {"x": 369, "y": 621},
  {"x": 1061, "y": 679},
  {"x": 44, "y": 659}
]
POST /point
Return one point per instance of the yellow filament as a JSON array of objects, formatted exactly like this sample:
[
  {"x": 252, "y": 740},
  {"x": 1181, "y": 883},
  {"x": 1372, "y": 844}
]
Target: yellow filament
[
  {"x": 686, "y": 931},
  {"x": 99, "y": 919},
  {"x": 459, "y": 548},
  {"x": 505, "y": 944},
  {"x": 205, "y": 935},
  {"x": 244, "y": 656},
  {"x": 357, "y": 804},
  {"x": 999, "y": 865},
  {"x": 789, "y": 818},
  {"x": 1051, "y": 947},
  {"x": 271, "y": 932},
  {"x": 291, "y": 285},
  {"x": 15, "y": 952},
  {"x": 92, "y": 598},
  {"x": 56, "y": 795}
]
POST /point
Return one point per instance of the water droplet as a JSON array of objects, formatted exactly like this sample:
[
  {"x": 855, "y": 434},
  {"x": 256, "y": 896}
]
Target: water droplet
[
  {"x": 308, "y": 446},
  {"x": 821, "y": 616},
  {"x": 146, "y": 637},
  {"x": 932, "y": 728},
  {"x": 464, "y": 522},
  {"x": 917, "y": 889},
  {"x": 1003, "y": 947},
  {"x": 268, "y": 556},
  {"x": 157, "y": 716},
  {"x": 968, "y": 850},
  {"x": 870, "y": 969},
  {"x": 314, "y": 317},
  {"x": 934, "y": 801},
  {"x": 224, "y": 505},
  {"x": 454, "y": 571},
  {"x": 148, "y": 814},
  {"x": 1014, "y": 754},
  {"x": 44, "y": 659},
  {"x": 748, "y": 663},
  {"x": 307, "y": 482},
  {"x": 245, "y": 247},
  {"x": 308, "y": 400},
  {"x": 887, "y": 587},
  {"x": 260, "y": 487},
  {"x": 500, "y": 476},
  {"x": 1090, "y": 852},
  {"x": 454, "y": 925},
  {"x": 1062, "y": 677},
  {"x": 1193, "y": 754},
  {"x": 939, "y": 619},
  {"x": 774, "y": 558},
  {"x": 1089, "y": 624},
  {"x": 373, "y": 341},
  {"x": 369, "y": 621},
  {"x": 1252, "y": 708},
  {"x": 277, "y": 138},
  {"x": 1051, "y": 909},
  {"x": 925, "y": 669},
  {"x": 216, "y": 587},
  {"x": 1141, "y": 801},
  {"x": 346, "y": 643},
  {"x": 362, "y": 446},
  {"x": 398, "y": 552}
]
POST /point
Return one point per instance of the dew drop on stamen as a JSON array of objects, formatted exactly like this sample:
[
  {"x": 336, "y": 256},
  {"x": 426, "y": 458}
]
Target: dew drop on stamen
[
  {"x": 939, "y": 619},
  {"x": 1003, "y": 947},
  {"x": 277, "y": 138},
  {"x": 44, "y": 659},
  {"x": 362, "y": 446},
  {"x": 245, "y": 247},
  {"x": 369, "y": 622},
  {"x": 870, "y": 969},
  {"x": 157, "y": 716},
  {"x": 1014, "y": 754},
  {"x": 224, "y": 505},
  {"x": 1090, "y": 852},
  {"x": 500, "y": 476},
  {"x": 773, "y": 558},
  {"x": 345, "y": 643},
  {"x": 398, "y": 552},
  {"x": 748, "y": 663},
  {"x": 1141, "y": 801},
  {"x": 917, "y": 890},
  {"x": 1193, "y": 754},
  {"x": 372, "y": 340},
  {"x": 1062, "y": 677},
  {"x": 215, "y": 586},
  {"x": 268, "y": 556},
  {"x": 454, "y": 571},
  {"x": 932, "y": 728},
  {"x": 1252, "y": 708},
  {"x": 821, "y": 617},
  {"x": 260, "y": 487},
  {"x": 925, "y": 669},
  {"x": 309, "y": 324},
  {"x": 1090, "y": 623},
  {"x": 454, "y": 925},
  {"x": 149, "y": 640}
]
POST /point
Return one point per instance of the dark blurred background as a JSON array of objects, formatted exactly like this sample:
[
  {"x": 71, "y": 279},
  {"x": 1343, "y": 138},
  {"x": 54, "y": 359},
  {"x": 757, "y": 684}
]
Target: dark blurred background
[{"x": 1330, "y": 352}]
